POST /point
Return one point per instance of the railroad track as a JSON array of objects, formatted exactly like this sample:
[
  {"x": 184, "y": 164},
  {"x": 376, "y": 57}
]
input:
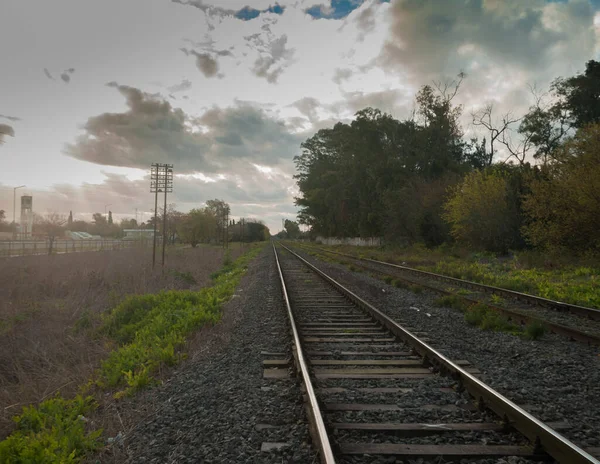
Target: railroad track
[
  {"x": 374, "y": 389},
  {"x": 578, "y": 323}
]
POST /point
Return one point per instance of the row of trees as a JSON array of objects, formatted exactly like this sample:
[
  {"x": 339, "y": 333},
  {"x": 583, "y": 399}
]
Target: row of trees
[
  {"x": 532, "y": 181},
  {"x": 210, "y": 224}
]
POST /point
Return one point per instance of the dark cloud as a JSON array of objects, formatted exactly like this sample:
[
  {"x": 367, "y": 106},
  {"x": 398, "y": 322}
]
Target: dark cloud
[
  {"x": 5, "y": 130},
  {"x": 207, "y": 65},
  {"x": 273, "y": 60},
  {"x": 181, "y": 87},
  {"x": 430, "y": 38},
  {"x": 341, "y": 74},
  {"x": 65, "y": 75},
  {"x": 153, "y": 131},
  {"x": 47, "y": 73}
]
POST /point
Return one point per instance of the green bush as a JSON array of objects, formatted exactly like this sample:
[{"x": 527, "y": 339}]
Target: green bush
[
  {"x": 53, "y": 432},
  {"x": 388, "y": 279},
  {"x": 475, "y": 314}
]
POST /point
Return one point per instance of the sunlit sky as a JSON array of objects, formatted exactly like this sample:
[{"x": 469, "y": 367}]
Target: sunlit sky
[{"x": 226, "y": 91}]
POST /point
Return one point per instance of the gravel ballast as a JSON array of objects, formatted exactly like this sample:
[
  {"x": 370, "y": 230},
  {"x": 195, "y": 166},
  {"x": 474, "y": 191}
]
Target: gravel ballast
[
  {"x": 554, "y": 379},
  {"x": 217, "y": 407}
]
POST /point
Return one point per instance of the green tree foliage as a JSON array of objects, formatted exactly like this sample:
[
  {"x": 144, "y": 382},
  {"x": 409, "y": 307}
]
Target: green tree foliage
[
  {"x": 581, "y": 95},
  {"x": 483, "y": 212},
  {"x": 128, "y": 223},
  {"x": 110, "y": 218},
  {"x": 199, "y": 225},
  {"x": 564, "y": 205},
  {"x": 292, "y": 229},
  {"x": 359, "y": 179}
]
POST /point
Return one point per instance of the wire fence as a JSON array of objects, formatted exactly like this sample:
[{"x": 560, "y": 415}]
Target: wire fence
[{"x": 13, "y": 248}]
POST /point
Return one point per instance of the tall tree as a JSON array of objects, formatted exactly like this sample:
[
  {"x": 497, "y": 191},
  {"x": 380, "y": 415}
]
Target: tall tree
[
  {"x": 70, "y": 220},
  {"x": 581, "y": 95},
  {"x": 110, "y": 219}
]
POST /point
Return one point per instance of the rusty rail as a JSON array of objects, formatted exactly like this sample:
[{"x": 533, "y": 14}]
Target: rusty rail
[
  {"x": 319, "y": 431},
  {"x": 553, "y": 443}
]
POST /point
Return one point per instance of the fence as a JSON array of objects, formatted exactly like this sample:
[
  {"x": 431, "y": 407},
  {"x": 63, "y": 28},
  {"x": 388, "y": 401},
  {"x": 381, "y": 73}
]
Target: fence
[
  {"x": 355, "y": 241},
  {"x": 11, "y": 248}
]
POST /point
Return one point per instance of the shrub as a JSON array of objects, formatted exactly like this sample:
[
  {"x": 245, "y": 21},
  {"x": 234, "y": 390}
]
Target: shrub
[
  {"x": 53, "y": 432},
  {"x": 388, "y": 279}
]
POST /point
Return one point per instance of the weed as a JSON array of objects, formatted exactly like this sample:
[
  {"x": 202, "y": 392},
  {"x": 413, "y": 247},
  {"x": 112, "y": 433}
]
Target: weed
[
  {"x": 535, "y": 330},
  {"x": 53, "y": 432},
  {"x": 388, "y": 279},
  {"x": 475, "y": 314},
  {"x": 351, "y": 267},
  {"x": 399, "y": 283},
  {"x": 450, "y": 301},
  {"x": 497, "y": 300},
  {"x": 463, "y": 291}
]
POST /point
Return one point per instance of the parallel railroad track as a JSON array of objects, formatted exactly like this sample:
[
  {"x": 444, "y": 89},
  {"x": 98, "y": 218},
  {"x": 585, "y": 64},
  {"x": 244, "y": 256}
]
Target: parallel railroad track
[
  {"x": 373, "y": 388},
  {"x": 578, "y": 323}
]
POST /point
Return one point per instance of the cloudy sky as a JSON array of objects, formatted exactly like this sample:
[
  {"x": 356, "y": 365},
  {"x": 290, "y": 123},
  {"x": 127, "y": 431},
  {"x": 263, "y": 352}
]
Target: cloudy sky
[{"x": 92, "y": 93}]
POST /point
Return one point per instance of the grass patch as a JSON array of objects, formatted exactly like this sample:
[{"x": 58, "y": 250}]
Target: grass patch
[
  {"x": 535, "y": 330},
  {"x": 497, "y": 300},
  {"x": 485, "y": 318},
  {"x": 557, "y": 277},
  {"x": 450, "y": 301},
  {"x": 53, "y": 432},
  {"x": 398, "y": 283},
  {"x": 388, "y": 279},
  {"x": 149, "y": 331}
]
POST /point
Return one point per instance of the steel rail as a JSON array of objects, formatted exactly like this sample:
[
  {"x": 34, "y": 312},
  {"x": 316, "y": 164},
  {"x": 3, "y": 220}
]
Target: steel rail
[
  {"x": 556, "y": 445},
  {"x": 584, "y": 311},
  {"x": 320, "y": 432}
]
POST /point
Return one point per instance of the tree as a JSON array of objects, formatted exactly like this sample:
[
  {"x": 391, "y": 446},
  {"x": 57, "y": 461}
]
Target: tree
[
  {"x": 580, "y": 95},
  {"x": 197, "y": 226},
  {"x": 563, "y": 206},
  {"x": 128, "y": 223},
  {"x": 292, "y": 229},
  {"x": 481, "y": 213},
  {"x": 497, "y": 129},
  {"x": 52, "y": 224},
  {"x": 110, "y": 219},
  {"x": 220, "y": 209},
  {"x": 99, "y": 219},
  {"x": 70, "y": 220}
]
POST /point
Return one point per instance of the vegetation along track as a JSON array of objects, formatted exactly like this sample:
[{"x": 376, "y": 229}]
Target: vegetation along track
[
  {"x": 374, "y": 389},
  {"x": 575, "y": 322}
]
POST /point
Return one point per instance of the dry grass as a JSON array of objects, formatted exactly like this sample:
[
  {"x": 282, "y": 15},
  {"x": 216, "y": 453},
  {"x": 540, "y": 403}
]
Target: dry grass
[{"x": 50, "y": 306}]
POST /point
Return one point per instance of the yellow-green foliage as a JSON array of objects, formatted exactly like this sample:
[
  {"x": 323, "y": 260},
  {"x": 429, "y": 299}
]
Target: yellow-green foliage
[
  {"x": 566, "y": 281},
  {"x": 150, "y": 331},
  {"x": 53, "y": 432},
  {"x": 479, "y": 211},
  {"x": 564, "y": 205}
]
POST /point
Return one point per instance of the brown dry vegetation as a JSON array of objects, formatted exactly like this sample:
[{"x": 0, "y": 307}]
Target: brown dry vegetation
[{"x": 50, "y": 306}]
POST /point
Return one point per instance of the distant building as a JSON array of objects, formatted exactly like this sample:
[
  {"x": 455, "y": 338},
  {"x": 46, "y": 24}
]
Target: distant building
[{"x": 138, "y": 234}]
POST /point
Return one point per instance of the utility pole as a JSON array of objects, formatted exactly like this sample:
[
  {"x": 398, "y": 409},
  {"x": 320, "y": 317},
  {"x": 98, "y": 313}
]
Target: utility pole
[
  {"x": 161, "y": 180},
  {"x": 15, "y": 210}
]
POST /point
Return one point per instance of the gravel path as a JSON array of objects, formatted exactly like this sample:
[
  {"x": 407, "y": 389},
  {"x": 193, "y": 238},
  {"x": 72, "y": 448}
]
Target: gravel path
[
  {"x": 209, "y": 411},
  {"x": 554, "y": 379}
]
